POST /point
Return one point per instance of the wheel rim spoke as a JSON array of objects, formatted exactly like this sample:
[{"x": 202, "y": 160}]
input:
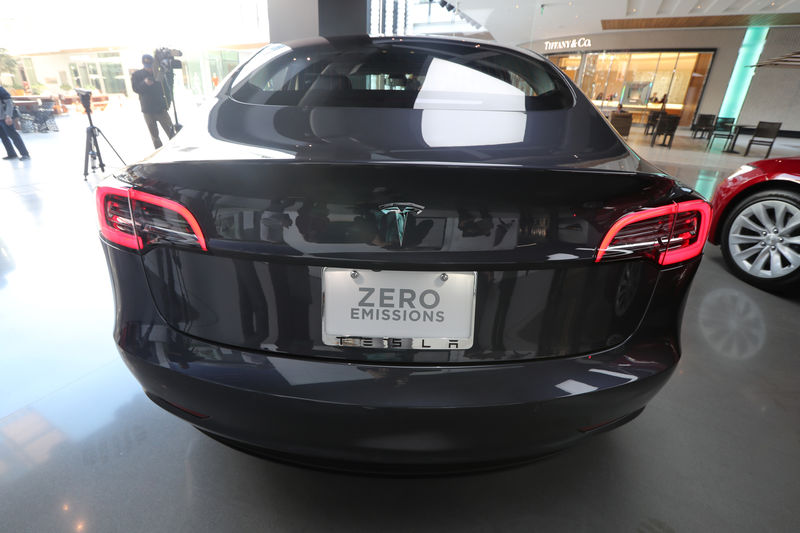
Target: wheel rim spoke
[
  {"x": 747, "y": 252},
  {"x": 775, "y": 267},
  {"x": 780, "y": 212},
  {"x": 790, "y": 255},
  {"x": 744, "y": 239},
  {"x": 792, "y": 224},
  {"x": 761, "y": 214},
  {"x": 760, "y": 260},
  {"x": 749, "y": 224}
]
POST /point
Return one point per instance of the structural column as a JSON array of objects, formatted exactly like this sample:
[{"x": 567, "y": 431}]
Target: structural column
[{"x": 299, "y": 19}]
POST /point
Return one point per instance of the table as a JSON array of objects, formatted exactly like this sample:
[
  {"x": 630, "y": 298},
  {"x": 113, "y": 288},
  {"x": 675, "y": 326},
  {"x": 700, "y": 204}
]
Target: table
[{"x": 737, "y": 128}]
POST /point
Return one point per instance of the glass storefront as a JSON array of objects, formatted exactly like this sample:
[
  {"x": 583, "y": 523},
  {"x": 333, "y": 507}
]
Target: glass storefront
[
  {"x": 641, "y": 81},
  {"x": 203, "y": 70},
  {"x": 101, "y": 71}
]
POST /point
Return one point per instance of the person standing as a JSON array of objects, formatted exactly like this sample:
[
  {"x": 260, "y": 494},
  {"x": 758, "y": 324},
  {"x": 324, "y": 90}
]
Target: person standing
[
  {"x": 153, "y": 101},
  {"x": 7, "y": 131}
]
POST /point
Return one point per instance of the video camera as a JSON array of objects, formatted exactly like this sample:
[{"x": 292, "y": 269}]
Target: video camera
[
  {"x": 163, "y": 66},
  {"x": 165, "y": 62},
  {"x": 86, "y": 99}
]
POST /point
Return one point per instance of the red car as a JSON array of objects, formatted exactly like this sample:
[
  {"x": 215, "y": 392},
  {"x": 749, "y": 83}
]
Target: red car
[{"x": 756, "y": 221}]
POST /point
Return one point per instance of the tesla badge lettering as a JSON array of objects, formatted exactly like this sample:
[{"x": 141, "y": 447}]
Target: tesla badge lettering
[
  {"x": 401, "y": 210},
  {"x": 391, "y": 304}
]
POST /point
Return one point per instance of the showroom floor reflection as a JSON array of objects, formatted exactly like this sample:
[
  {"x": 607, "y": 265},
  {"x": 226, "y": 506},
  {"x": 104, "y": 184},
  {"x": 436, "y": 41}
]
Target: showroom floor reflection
[{"x": 82, "y": 448}]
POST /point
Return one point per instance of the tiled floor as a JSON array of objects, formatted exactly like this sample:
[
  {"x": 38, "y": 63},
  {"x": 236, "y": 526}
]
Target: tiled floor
[{"x": 82, "y": 449}]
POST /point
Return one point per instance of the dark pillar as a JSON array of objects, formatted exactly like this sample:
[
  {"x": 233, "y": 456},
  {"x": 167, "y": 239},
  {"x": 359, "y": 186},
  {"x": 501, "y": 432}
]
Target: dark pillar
[{"x": 342, "y": 17}]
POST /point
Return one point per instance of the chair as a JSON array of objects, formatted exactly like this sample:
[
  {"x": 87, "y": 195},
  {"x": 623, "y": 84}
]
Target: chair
[
  {"x": 765, "y": 135},
  {"x": 722, "y": 130},
  {"x": 43, "y": 117},
  {"x": 652, "y": 120},
  {"x": 622, "y": 122},
  {"x": 667, "y": 126},
  {"x": 704, "y": 124},
  {"x": 331, "y": 82}
]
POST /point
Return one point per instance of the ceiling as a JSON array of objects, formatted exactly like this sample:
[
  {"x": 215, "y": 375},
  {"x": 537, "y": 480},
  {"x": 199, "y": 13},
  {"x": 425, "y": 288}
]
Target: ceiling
[{"x": 519, "y": 21}]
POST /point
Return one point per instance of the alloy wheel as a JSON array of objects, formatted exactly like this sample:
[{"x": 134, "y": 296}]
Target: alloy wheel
[{"x": 764, "y": 239}]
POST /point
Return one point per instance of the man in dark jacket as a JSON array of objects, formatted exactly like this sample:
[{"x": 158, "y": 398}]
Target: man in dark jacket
[
  {"x": 152, "y": 99},
  {"x": 7, "y": 131}
]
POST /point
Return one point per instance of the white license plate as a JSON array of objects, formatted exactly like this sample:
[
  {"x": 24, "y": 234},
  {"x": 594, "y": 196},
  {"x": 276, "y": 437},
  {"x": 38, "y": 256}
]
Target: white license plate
[{"x": 398, "y": 310}]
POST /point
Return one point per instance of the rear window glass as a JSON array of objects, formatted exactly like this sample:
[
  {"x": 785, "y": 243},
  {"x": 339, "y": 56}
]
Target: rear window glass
[{"x": 418, "y": 75}]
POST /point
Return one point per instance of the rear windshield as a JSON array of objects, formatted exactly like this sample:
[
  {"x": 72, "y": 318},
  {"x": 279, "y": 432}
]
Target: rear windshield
[{"x": 400, "y": 74}]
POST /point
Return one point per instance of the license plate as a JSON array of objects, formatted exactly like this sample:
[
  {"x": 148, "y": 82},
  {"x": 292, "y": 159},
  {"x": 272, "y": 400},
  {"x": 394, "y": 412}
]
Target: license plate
[{"x": 398, "y": 310}]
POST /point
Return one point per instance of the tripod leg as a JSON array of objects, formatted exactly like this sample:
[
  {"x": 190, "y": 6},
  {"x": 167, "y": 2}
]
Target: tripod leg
[
  {"x": 111, "y": 145},
  {"x": 97, "y": 150},
  {"x": 86, "y": 152}
]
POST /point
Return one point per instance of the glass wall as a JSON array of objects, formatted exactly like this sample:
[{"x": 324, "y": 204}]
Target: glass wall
[
  {"x": 641, "y": 81},
  {"x": 101, "y": 72},
  {"x": 569, "y": 63},
  {"x": 663, "y": 77},
  {"x": 694, "y": 88},
  {"x": 617, "y": 68},
  {"x": 638, "y": 81},
  {"x": 30, "y": 74},
  {"x": 203, "y": 70}
]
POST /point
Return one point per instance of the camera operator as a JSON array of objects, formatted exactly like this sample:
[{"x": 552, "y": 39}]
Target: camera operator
[{"x": 153, "y": 101}]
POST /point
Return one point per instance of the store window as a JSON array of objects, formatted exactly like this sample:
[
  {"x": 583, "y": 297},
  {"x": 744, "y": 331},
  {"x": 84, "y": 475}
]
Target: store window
[
  {"x": 30, "y": 73},
  {"x": 112, "y": 73},
  {"x": 569, "y": 63},
  {"x": 639, "y": 78},
  {"x": 221, "y": 62},
  {"x": 617, "y": 68},
  {"x": 663, "y": 77},
  {"x": 101, "y": 72},
  {"x": 94, "y": 76},
  {"x": 642, "y": 82},
  {"x": 77, "y": 78},
  {"x": 193, "y": 75},
  {"x": 694, "y": 89},
  {"x": 113, "y": 78}
]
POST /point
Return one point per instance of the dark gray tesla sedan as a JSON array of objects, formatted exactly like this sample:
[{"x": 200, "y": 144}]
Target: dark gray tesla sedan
[{"x": 409, "y": 253}]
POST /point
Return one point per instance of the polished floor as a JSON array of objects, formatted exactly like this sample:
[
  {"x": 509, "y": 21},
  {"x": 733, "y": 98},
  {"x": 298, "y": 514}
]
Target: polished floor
[{"x": 82, "y": 448}]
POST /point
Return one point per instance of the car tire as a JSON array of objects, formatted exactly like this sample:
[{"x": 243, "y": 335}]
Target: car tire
[{"x": 755, "y": 240}]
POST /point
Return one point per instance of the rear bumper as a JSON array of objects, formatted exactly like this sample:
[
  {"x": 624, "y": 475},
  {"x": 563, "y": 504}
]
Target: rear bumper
[
  {"x": 372, "y": 414},
  {"x": 364, "y": 413}
]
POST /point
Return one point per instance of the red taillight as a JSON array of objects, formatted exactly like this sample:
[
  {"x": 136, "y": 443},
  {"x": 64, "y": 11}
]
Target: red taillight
[
  {"x": 135, "y": 219},
  {"x": 159, "y": 219},
  {"x": 667, "y": 234},
  {"x": 116, "y": 221}
]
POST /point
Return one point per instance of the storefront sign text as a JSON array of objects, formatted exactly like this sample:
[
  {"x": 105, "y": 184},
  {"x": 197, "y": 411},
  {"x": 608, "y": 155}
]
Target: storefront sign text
[{"x": 583, "y": 42}]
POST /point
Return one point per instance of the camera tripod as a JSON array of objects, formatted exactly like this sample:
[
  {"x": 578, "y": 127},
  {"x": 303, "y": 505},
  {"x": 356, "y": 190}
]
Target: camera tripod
[
  {"x": 168, "y": 87},
  {"x": 93, "y": 147}
]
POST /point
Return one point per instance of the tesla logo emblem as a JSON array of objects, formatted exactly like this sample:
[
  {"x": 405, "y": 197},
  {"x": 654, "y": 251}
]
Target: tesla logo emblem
[{"x": 401, "y": 210}]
